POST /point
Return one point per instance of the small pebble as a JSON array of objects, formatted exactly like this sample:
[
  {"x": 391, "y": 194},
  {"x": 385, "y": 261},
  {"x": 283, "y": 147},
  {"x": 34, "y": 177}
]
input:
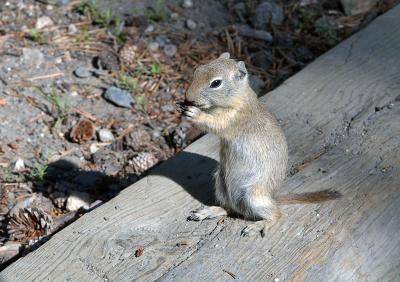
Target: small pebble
[
  {"x": 78, "y": 200},
  {"x": 72, "y": 29},
  {"x": 105, "y": 135},
  {"x": 190, "y": 24},
  {"x": 119, "y": 97},
  {"x": 19, "y": 165},
  {"x": 174, "y": 16},
  {"x": 187, "y": 4},
  {"x": 153, "y": 46},
  {"x": 170, "y": 50},
  {"x": 43, "y": 22},
  {"x": 82, "y": 72},
  {"x": 149, "y": 29},
  {"x": 162, "y": 40},
  {"x": 93, "y": 148}
]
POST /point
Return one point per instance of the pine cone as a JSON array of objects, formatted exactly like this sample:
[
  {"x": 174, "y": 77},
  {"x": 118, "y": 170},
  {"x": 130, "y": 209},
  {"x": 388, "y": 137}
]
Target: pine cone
[
  {"x": 143, "y": 161},
  {"x": 29, "y": 224},
  {"x": 10, "y": 194},
  {"x": 127, "y": 54},
  {"x": 83, "y": 131},
  {"x": 138, "y": 139}
]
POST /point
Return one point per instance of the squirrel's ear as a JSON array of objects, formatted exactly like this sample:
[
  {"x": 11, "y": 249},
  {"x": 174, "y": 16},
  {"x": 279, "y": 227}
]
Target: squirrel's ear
[
  {"x": 242, "y": 69},
  {"x": 225, "y": 55}
]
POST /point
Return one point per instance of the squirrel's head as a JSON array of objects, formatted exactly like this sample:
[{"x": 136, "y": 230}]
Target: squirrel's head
[{"x": 221, "y": 82}]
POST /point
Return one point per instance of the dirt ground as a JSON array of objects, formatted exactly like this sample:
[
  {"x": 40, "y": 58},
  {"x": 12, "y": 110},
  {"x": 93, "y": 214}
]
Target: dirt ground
[{"x": 88, "y": 91}]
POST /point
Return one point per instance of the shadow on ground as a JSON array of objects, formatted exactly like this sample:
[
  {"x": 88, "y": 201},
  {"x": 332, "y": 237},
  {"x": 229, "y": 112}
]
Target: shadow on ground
[{"x": 192, "y": 172}]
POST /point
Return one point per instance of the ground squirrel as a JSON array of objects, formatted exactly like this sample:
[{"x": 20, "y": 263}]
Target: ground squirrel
[{"x": 253, "y": 151}]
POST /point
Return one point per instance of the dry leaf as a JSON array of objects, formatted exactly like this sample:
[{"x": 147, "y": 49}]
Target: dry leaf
[{"x": 139, "y": 252}]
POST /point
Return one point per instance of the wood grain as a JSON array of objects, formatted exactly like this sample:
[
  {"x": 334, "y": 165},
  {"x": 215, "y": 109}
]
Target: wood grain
[{"x": 341, "y": 115}]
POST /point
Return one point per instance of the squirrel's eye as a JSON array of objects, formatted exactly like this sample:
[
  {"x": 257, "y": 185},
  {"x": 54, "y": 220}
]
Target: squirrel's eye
[{"x": 216, "y": 83}]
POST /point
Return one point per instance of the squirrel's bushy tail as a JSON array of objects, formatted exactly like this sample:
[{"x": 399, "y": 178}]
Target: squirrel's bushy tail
[{"x": 312, "y": 197}]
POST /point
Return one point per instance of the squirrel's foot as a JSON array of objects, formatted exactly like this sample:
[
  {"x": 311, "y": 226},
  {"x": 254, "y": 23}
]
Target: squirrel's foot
[
  {"x": 258, "y": 227},
  {"x": 207, "y": 213}
]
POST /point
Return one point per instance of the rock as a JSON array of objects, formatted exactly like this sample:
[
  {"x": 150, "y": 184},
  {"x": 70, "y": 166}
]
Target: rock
[
  {"x": 72, "y": 29},
  {"x": 93, "y": 148},
  {"x": 353, "y": 7},
  {"x": 105, "y": 135},
  {"x": 247, "y": 31},
  {"x": 82, "y": 72},
  {"x": 187, "y": 4},
  {"x": 162, "y": 40},
  {"x": 153, "y": 46},
  {"x": 256, "y": 83},
  {"x": 78, "y": 200},
  {"x": 262, "y": 59},
  {"x": 190, "y": 24},
  {"x": 119, "y": 97},
  {"x": 267, "y": 12},
  {"x": 170, "y": 50},
  {"x": 43, "y": 22},
  {"x": 149, "y": 29},
  {"x": 19, "y": 165},
  {"x": 32, "y": 57},
  {"x": 108, "y": 162}
]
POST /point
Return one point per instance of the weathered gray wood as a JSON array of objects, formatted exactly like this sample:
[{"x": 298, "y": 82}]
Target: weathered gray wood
[{"x": 342, "y": 121}]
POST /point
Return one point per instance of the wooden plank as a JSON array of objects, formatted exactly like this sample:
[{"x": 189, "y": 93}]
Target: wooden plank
[{"x": 342, "y": 121}]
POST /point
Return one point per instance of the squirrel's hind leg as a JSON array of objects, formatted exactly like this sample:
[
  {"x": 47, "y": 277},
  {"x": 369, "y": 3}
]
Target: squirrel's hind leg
[{"x": 262, "y": 208}]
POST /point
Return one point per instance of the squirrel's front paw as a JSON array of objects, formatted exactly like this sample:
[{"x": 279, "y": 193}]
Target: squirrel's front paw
[{"x": 189, "y": 111}]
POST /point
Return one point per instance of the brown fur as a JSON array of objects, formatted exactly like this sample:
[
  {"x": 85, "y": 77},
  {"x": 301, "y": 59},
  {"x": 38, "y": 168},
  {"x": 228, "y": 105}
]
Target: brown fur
[{"x": 310, "y": 198}]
